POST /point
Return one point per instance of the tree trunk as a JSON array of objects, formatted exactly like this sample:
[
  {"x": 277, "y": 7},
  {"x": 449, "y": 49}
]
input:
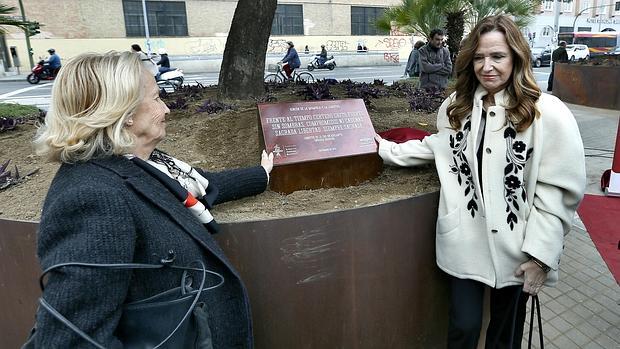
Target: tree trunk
[
  {"x": 455, "y": 25},
  {"x": 243, "y": 64}
]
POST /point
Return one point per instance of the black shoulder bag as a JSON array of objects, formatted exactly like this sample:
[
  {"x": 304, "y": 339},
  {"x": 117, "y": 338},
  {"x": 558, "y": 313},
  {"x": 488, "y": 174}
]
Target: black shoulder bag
[
  {"x": 175, "y": 317},
  {"x": 535, "y": 306}
]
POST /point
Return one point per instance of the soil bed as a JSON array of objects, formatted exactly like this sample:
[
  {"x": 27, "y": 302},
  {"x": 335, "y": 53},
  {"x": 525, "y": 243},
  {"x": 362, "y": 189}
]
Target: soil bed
[{"x": 229, "y": 139}]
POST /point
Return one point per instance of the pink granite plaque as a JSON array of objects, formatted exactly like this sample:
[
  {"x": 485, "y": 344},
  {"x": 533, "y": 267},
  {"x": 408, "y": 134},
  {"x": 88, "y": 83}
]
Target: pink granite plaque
[{"x": 307, "y": 131}]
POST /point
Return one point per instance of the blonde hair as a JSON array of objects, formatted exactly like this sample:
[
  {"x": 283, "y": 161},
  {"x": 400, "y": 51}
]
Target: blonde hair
[
  {"x": 92, "y": 98},
  {"x": 522, "y": 90}
]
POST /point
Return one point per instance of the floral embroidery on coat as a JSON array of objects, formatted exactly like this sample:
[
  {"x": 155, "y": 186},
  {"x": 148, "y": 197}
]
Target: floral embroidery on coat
[
  {"x": 513, "y": 174},
  {"x": 461, "y": 169}
]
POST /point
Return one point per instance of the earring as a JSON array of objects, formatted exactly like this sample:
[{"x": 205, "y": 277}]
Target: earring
[{"x": 129, "y": 122}]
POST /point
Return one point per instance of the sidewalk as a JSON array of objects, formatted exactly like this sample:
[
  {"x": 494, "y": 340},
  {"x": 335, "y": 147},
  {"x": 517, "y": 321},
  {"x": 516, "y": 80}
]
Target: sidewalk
[
  {"x": 583, "y": 310},
  {"x": 19, "y": 77}
]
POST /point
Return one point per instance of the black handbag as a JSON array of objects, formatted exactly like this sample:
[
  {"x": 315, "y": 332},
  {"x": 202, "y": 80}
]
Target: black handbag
[
  {"x": 173, "y": 319},
  {"x": 535, "y": 307}
]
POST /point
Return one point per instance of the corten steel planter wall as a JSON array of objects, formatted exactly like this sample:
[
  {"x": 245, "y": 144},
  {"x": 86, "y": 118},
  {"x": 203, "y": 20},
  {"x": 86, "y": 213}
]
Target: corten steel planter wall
[
  {"x": 593, "y": 86},
  {"x": 361, "y": 278}
]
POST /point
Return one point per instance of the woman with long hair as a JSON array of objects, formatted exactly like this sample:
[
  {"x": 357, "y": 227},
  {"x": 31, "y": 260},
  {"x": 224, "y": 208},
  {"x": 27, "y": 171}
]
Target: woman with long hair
[{"x": 511, "y": 165}]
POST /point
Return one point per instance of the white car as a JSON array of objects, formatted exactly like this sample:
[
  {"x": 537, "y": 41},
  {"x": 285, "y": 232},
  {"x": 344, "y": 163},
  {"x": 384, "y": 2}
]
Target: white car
[{"x": 576, "y": 52}]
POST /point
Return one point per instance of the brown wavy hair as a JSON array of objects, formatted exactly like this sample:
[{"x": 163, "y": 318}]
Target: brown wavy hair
[{"x": 521, "y": 89}]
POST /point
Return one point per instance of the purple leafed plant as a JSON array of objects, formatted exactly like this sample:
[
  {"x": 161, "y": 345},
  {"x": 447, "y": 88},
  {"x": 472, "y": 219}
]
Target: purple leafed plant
[
  {"x": 378, "y": 82},
  {"x": 316, "y": 91},
  {"x": 365, "y": 92},
  {"x": 180, "y": 103},
  {"x": 425, "y": 100},
  {"x": 212, "y": 107},
  {"x": 7, "y": 178},
  {"x": 7, "y": 124}
]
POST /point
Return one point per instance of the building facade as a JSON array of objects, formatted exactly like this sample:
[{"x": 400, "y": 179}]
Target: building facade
[
  {"x": 576, "y": 15},
  {"x": 198, "y": 27}
]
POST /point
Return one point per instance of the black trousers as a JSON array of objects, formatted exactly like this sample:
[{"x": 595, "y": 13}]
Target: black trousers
[
  {"x": 550, "y": 81},
  {"x": 506, "y": 319}
]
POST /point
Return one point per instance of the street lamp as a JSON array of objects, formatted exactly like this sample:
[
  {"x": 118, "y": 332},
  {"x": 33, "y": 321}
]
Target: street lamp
[{"x": 588, "y": 8}]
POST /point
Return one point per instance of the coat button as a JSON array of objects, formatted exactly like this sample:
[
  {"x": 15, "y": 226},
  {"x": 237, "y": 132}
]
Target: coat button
[
  {"x": 492, "y": 113},
  {"x": 488, "y": 150},
  {"x": 494, "y": 231}
]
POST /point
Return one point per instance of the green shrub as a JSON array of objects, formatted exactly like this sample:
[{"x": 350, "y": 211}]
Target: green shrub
[{"x": 13, "y": 110}]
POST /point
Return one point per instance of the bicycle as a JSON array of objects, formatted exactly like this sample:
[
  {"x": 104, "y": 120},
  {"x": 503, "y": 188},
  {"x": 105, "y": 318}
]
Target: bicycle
[{"x": 278, "y": 75}]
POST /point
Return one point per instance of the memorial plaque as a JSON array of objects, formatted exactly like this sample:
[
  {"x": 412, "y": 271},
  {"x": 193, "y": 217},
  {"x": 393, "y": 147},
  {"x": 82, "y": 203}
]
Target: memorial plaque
[{"x": 319, "y": 144}]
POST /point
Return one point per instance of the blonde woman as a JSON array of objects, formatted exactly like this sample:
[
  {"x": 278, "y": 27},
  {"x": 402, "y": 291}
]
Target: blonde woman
[
  {"x": 117, "y": 199},
  {"x": 511, "y": 165}
]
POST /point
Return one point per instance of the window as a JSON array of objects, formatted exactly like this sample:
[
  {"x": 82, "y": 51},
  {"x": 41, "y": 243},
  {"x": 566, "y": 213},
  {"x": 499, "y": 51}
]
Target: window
[
  {"x": 166, "y": 18},
  {"x": 617, "y": 9},
  {"x": 548, "y": 5},
  {"x": 566, "y": 29},
  {"x": 601, "y": 7},
  {"x": 585, "y": 4},
  {"x": 567, "y": 5},
  {"x": 363, "y": 20},
  {"x": 584, "y": 29},
  {"x": 288, "y": 20}
]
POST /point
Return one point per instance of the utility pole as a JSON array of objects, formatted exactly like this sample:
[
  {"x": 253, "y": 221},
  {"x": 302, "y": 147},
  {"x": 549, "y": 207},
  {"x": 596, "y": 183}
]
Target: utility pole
[
  {"x": 146, "y": 28},
  {"x": 27, "y": 34},
  {"x": 556, "y": 19}
]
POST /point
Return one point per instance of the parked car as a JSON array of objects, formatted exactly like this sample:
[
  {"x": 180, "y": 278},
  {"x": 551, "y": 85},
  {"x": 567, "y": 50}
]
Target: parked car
[
  {"x": 576, "y": 51},
  {"x": 615, "y": 52},
  {"x": 541, "y": 56}
]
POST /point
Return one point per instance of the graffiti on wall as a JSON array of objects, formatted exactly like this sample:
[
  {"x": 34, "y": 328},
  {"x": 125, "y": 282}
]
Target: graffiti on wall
[
  {"x": 390, "y": 43},
  {"x": 336, "y": 45},
  {"x": 395, "y": 32},
  {"x": 277, "y": 46},
  {"x": 391, "y": 57},
  {"x": 204, "y": 46}
]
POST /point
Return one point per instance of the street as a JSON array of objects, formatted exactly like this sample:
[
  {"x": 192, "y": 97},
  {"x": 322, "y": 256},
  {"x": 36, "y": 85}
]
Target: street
[{"x": 24, "y": 93}]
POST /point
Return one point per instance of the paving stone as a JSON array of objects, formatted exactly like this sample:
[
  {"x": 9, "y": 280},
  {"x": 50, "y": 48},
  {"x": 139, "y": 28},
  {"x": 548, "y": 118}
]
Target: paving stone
[
  {"x": 561, "y": 324},
  {"x": 606, "y": 342},
  {"x": 593, "y": 345},
  {"x": 578, "y": 337},
  {"x": 572, "y": 317},
  {"x": 608, "y": 316}
]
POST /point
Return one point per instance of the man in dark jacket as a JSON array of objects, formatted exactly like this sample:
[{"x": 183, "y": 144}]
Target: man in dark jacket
[
  {"x": 558, "y": 55},
  {"x": 435, "y": 63}
]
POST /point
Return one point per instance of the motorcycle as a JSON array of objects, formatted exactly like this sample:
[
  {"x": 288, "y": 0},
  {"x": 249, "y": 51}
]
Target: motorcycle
[
  {"x": 173, "y": 78},
  {"x": 40, "y": 72},
  {"x": 330, "y": 63}
]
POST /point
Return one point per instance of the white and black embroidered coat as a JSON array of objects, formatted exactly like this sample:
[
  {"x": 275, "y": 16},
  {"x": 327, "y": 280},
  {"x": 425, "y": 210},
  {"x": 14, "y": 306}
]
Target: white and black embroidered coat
[{"x": 532, "y": 182}]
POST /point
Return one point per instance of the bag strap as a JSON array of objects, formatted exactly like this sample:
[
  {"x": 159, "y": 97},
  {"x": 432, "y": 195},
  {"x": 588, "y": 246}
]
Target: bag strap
[
  {"x": 164, "y": 263},
  {"x": 535, "y": 305}
]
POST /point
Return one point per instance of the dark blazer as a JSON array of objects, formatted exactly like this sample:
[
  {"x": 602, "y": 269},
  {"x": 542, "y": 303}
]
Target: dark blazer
[{"x": 111, "y": 211}]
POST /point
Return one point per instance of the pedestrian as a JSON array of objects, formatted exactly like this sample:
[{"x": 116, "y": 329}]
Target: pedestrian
[
  {"x": 291, "y": 60},
  {"x": 413, "y": 63},
  {"x": 559, "y": 55},
  {"x": 117, "y": 203},
  {"x": 511, "y": 166},
  {"x": 435, "y": 63},
  {"x": 306, "y": 50},
  {"x": 148, "y": 63}
]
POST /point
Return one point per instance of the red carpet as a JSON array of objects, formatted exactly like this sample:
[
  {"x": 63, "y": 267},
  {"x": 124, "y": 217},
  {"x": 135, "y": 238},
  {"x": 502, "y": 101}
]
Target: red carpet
[{"x": 601, "y": 216}]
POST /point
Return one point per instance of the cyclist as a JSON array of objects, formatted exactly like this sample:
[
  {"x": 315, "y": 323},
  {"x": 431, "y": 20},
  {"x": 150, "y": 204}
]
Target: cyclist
[{"x": 291, "y": 60}]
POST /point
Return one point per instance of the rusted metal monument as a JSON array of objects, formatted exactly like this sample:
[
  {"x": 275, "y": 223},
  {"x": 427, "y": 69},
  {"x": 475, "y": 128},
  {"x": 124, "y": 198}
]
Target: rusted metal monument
[{"x": 359, "y": 278}]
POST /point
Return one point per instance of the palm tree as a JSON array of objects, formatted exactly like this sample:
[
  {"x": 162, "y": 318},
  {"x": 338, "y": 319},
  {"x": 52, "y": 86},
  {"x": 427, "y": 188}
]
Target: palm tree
[
  {"x": 415, "y": 16},
  {"x": 421, "y": 16},
  {"x": 6, "y": 19}
]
